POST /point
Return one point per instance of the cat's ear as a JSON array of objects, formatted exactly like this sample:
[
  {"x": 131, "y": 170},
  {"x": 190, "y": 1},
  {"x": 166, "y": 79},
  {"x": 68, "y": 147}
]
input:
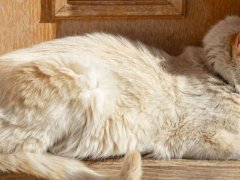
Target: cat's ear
[{"x": 237, "y": 44}]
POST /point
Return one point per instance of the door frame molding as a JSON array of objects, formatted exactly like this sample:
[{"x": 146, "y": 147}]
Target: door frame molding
[{"x": 85, "y": 9}]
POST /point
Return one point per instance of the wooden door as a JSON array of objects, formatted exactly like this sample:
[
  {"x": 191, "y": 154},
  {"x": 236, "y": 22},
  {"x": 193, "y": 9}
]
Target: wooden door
[
  {"x": 171, "y": 27},
  {"x": 168, "y": 24}
]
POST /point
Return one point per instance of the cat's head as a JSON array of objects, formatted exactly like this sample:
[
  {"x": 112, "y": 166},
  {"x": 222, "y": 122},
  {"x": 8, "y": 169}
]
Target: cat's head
[{"x": 222, "y": 48}]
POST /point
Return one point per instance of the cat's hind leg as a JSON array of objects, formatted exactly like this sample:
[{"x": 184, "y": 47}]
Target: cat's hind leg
[
  {"x": 20, "y": 138},
  {"x": 14, "y": 139},
  {"x": 219, "y": 144}
]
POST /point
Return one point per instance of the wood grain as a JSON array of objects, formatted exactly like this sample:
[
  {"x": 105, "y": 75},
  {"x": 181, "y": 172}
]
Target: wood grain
[
  {"x": 118, "y": 2},
  {"x": 21, "y": 26},
  {"x": 166, "y": 170},
  {"x": 119, "y": 9},
  {"x": 170, "y": 34}
]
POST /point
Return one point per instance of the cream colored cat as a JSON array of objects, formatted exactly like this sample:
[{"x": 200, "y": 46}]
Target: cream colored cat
[{"x": 100, "y": 95}]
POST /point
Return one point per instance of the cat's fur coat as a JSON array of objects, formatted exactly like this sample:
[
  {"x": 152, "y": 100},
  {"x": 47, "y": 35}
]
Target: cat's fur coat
[{"x": 100, "y": 95}]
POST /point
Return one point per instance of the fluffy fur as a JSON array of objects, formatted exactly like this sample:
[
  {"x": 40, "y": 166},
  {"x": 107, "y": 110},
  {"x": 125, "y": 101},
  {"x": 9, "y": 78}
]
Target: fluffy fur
[
  {"x": 99, "y": 95},
  {"x": 222, "y": 47}
]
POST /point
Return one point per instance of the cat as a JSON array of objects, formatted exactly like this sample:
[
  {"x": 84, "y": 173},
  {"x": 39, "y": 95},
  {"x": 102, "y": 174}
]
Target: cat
[
  {"x": 99, "y": 95},
  {"x": 218, "y": 42}
]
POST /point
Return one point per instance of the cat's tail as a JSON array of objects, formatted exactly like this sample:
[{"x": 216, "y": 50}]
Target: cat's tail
[{"x": 54, "y": 167}]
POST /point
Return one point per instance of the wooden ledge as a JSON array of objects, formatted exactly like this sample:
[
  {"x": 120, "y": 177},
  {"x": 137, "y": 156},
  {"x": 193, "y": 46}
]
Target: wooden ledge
[{"x": 165, "y": 170}]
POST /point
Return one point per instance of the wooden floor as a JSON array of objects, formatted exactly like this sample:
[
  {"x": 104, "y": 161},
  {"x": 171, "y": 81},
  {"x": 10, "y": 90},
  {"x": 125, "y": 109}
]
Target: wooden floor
[{"x": 166, "y": 170}]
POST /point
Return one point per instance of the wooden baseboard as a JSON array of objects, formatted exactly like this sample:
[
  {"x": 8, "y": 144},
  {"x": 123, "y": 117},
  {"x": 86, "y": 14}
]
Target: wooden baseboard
[{"x": 164, "y": 170}]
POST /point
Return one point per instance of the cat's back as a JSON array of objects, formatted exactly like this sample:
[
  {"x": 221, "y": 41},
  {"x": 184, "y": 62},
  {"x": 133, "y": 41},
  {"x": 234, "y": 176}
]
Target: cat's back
[
  {"x": 103, "y": 59},
  {"x": 99, "y": 45},
  {"x": 131, "y": 62},
  {"x": 106, "y": 75}
]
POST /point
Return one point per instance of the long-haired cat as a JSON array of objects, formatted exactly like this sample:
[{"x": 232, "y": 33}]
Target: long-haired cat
[{"x": 99, "y": 95}]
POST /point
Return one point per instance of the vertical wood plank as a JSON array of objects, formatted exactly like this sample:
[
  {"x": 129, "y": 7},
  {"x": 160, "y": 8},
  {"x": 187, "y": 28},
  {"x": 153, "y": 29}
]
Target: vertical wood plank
[{"x": 21, "y": 26}]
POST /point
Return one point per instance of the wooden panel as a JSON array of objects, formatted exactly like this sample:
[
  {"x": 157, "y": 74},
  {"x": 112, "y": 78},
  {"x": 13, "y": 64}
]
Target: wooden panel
[
  {"x": 118, "y": 2},
  {"x": 74, "y": 9},
  {"x": 20, "y": 24},
  {"x": 170, "y": 34},
  {"x": 166, "y": 170}
]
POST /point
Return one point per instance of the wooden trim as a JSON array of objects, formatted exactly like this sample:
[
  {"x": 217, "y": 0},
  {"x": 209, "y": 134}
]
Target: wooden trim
[
  {"x": 163, "y": 169},
  {"x": 73, "y": 9},
  {"x": 118, "y": 2}
]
